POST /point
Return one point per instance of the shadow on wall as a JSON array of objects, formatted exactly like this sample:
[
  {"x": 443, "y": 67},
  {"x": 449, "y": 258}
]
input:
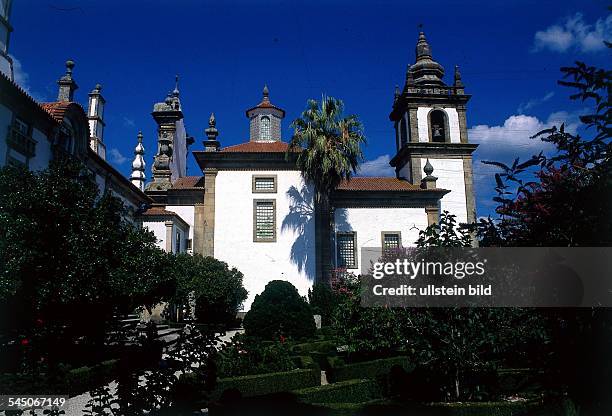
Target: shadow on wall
[{"x": 301, "y": 221}]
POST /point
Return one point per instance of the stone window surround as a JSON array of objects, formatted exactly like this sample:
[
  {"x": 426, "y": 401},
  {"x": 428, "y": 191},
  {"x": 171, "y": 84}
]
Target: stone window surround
[
  {"x": 353, "y": 235},
  {"x": 447, "y": 138},
  {"x": 382, "y": 238},
  {"x": 264, "y": 191},
  {"x": 258, "y": 239}
]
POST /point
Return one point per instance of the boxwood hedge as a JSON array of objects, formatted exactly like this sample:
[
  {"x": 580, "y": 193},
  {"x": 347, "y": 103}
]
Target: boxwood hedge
[
  {"x": 260, "y": 384},
  {"x": 367, "y": 369}
]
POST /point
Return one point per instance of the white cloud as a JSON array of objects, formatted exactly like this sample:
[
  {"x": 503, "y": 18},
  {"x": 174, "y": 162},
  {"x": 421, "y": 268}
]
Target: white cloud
[
  {"x": 512, "y": 139},
  {"x": 377, "y": 167},
  {"x": 574, "y": 33},
  {"x": 22, "y": 78},
  {"x": 116, "y": 156},
  {"x": 534, "y": 102}
]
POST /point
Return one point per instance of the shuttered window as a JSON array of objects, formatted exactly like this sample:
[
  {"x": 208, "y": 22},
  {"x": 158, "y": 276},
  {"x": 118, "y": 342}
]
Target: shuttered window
[
  {"x": 264, "y": 220},
  {"x": 346, "y": 244}
]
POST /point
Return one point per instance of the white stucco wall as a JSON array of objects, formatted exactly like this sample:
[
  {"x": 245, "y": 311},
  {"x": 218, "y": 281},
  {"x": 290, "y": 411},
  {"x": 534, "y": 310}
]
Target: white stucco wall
[
  {"x": 159, "y": 229},
  {"x": 43, "y": 151},
  {"x": 453, "y": 121},
  {"x": 368, "y": 223},
  {"x": 186, "y": 212},
  {"x": 291, "y": 257},
  {"x": 450, "y": 176}
]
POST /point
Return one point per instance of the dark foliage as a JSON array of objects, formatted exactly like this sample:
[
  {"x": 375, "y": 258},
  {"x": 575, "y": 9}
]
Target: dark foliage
[{"x": 279, "y": 311}]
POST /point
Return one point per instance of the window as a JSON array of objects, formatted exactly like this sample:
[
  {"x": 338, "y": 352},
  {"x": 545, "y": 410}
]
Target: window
[
  {"x": 263, "y": 184},
  {"x": 178, "y": 242},
  {"x": 265, "y": 128},
  {"x": 19, "y": 139},
  {"x": 189, "y": 244},
  {"x": 264, "y": 218},
  {"x": 346, "y": 244},
  {"x": 391, "y": 241},
  {"x": 438, "y": 126}
]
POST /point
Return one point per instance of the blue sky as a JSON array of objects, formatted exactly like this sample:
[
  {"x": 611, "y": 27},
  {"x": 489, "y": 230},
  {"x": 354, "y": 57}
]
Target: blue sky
[{"x": 224, "y": 52}]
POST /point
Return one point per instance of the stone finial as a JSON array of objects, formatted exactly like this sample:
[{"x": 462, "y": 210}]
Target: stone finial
[
  {"x": 211, "y": 144},
  {"x": 138, "y": 164},
  {"x": 175, "y": 92},
  {"x": 458, "y": 82},
  {"x": 266, "y": 93},
  {"x": 67, "y": 85},
  {"x": 428, "y": 169},
  {"x": 97, "y": 89},
  {"x": 423, "y": 50},
  {"x": 396, "y": 94},
  {"x": 429, "y": 181}
]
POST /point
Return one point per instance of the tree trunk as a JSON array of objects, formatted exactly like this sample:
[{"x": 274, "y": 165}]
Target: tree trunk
[
  {"x": 457, "y": 392},
  {"x": 323, "y": 237}
]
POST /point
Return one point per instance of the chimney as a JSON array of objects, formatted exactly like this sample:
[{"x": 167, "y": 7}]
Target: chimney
[{"x": 67, "y": 86}]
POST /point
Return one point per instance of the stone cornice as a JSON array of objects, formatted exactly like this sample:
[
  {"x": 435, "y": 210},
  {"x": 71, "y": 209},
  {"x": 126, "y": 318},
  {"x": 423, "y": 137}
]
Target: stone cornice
[
  {"x": 245, "y": 160},
  {"x": 428, "y": 149},
  {"x": 387, "y": 199}
]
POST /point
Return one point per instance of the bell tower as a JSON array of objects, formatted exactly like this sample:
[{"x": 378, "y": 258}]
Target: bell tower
[{"x": 429, "y": 117}]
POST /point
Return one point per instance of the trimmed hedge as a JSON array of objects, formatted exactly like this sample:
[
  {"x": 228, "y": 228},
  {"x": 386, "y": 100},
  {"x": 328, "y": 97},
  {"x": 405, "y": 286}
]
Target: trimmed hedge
[
  {"x": 325, "y": 347},
  {"x": 260, "y": 384},
  {"x": 83, "y": 379},
  {"x": 354, "y": 391},
  {"x": 306, "y": 361},
  {"x": 368, "y": 369}
]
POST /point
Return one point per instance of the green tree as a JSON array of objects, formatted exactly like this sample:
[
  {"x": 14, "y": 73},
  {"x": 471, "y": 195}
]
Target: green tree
[
  {"x": 331, "y": 152},
  {"x": 217, "y": 289},
  {"x": 70, "y": 260},
  {"x": 279, "y": 311}
]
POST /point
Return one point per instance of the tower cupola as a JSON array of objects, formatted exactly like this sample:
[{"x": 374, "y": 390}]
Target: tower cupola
[{"x": 265, "y": 120}]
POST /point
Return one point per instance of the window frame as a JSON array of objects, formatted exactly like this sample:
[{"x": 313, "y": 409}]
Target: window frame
[
  {"x": 257, "y": 239},
  {"x": 264, "y": 191},
  {"x": 385, "y": 233},
  {"x": 269, "y": 127},
  {"x": 353, "y": 235}
]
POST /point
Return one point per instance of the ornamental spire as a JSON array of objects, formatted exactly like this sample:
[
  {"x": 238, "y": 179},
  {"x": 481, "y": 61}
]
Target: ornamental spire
[
  {"x": 426, "y": 70},
  {"x": 211, "y": 144},
  {"x": 458, "y": 82},
  {"x": 266, "y": 93},
  {"x": 138, "y": 165},
  {"x": 67, "y": 85}
]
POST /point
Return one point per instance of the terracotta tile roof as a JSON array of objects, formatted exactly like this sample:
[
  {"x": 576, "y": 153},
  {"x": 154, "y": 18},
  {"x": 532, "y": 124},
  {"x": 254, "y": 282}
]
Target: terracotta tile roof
[
  {"x": 258, "y": 147},
  {"x": 189, "y": 182},
  {"x": 153, "y": 211},
  {"x": 377, "y": 184},
  {"x": 266, "y": 104},
  {"x": 58, "y": 109}
]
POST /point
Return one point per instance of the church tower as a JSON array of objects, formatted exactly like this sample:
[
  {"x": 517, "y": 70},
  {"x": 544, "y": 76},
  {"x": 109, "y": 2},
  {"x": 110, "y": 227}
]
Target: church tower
[
  {"x": 265, "y": 120},
  {"x": 429, "y": 117}
]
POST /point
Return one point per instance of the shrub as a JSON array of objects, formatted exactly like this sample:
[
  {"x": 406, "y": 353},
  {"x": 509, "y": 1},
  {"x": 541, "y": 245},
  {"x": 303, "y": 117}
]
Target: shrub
[
  {"x": 217, "y": 289},
  {"x": 322, "y": 300},
  {"x": 305, "y": 361},
  {"x": 369, "y": 369},
  {"x": 346, "y": 391},
  {"x": 279, "y": 311},
  {"x": 244, "y": 356},
  {"x": 257, "y": 385}
]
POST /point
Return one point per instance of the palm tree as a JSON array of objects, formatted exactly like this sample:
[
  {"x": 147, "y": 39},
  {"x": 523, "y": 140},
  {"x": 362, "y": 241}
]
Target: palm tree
[{"x": 330, "y": 146}]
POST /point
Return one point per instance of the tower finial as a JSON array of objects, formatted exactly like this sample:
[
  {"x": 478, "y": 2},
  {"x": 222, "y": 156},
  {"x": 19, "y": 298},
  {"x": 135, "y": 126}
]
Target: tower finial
[
  {"x": 211, "y": 144},
  {"x": 423, "y": 49},
  {"x": 67, "y": 85},
  {"x": 458, "y": 82},
  {"x": 175, "y": 93},
  {"x": 266, "y": 93},
  {"x": 396, "y": 93},
  {"x": 138, "y": 165}
]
